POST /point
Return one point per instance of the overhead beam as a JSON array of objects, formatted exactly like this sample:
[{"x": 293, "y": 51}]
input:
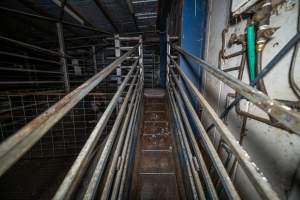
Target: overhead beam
[
  {"x": 69, "y": 11},
  {"x": 106, "y": 15},
  {"x": 33, "y": 6},
  {"x": 132, "y": 12},
  {"x": 50, "y": 19},
  {"x": 72, "y": 12},
  {"x": 164, "y": 7},
  {"x": 145, "y": 1}
]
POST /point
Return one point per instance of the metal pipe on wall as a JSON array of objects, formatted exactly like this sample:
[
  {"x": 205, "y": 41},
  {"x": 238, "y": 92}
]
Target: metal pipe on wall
[
  {"x": 274, "y": 108},
  {"x": 291, "y": 43}
]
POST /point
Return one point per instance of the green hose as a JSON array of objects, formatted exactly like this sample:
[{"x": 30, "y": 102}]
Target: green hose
[{"x": 251, "y": 51}]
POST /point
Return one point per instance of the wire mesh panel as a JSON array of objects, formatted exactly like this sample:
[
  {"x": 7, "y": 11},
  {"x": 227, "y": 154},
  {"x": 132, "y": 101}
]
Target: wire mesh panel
[{"x": 67, "y": 137}]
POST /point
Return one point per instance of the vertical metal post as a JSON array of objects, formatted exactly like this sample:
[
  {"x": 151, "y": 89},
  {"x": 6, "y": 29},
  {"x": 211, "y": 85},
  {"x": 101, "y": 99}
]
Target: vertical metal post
[
  {"x": 168, "y": 59},
  {"x": 118, "y": 54},
  {"x": 63, "y": 60},
  {"x": 103, "y": 60},
  {"x": 118, "y": 70},
  {"x": 153, "y": 68},
  {"x": 141, "y": 59},
  {"x": 94, "y": 59}
]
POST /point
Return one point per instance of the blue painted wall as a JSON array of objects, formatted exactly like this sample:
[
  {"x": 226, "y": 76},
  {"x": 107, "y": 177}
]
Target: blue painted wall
[{"x": 193, "y": 32}]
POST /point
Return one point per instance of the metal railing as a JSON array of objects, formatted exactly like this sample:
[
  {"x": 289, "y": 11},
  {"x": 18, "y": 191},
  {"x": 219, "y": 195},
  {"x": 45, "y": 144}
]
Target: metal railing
[
  {"x": 181, "y": 104},
  {"x": 14, "y": 147}
]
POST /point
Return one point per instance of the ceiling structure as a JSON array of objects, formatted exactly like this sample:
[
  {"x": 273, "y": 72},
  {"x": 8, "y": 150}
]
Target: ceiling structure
[
  {"x": 85, "y": 22},
  {"x": 113, "y": 16}
]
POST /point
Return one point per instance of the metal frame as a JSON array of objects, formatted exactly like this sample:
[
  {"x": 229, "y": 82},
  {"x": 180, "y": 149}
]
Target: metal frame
[
  {"x": 255, "y": 176},
  {"x": 106, "y": 14},
  {"x": 63, "y": 60},
  {"x": 279, "y": 111},
  {"x": 18, "y": 144},
  {"x": 50, "y": 19}
]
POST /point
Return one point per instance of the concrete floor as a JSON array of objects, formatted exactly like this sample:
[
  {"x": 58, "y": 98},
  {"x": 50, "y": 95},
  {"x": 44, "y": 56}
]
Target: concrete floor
[{"x": 156, "y": 174}]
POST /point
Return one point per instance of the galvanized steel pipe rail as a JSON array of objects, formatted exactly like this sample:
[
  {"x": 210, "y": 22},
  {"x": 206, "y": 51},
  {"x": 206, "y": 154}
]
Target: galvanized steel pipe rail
[
  {"x": 113, "y": 167},
  {"x": 279, "y": 111},
  {"x": 198, "y": 155},
  {"x": 194, "y": 179},
  {"x": 130, "y": 135},
  {"x": 34, "y": 47},
  {"x": 78, "y": 168},
  {"x": 18, "y": 144},
  {"x": 187, "y": 166},
  {"x": 215, "y": 159},
  {"x": 99, "y": 169},
  {"x": 253, "y": 173}
]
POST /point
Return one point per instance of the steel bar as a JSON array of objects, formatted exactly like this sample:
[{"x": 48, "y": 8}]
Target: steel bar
[
  {"x": 51, "y": 93},
  {"x": 113, "y": 167},
  {"x": 292, "y": 42},
  {"x": 14, "y": 147},
  {"x": 126, "y": 146},
  {"x": 132, "y": 12},
  {"x": 253, "y": 173},
  {"x": 185, "y": 147},
  {"x": 117, "y": 54},
  {"x": 70, "y": 182},
  {"x": 28, "y": 57},
  {"x": 145, "y": 1},
  {"x": 22, "y": 107},
  {"x": 124, "y": 38},
  {"x": 205, "y": 173},
  {"x": 27, "y": 82},
  {"x": 106, "y": 15},
  {"x": 50, "y": 19},
  {"x": 215, "y": 159},
  {"x": 231, "y": 69},
  {"x": 65, "y": 7},
  {"x": 64, "y": 67},
  {"x": 129, "y": 153},
  {"x": 99, "y": 169},
  {"x": 187, "y": 164},
  {"x": 33, "y": 47},
  {"x": 279, "y": 111},
  {"x": 28, "y": 70},
  {"x": 94, "y": 55}
]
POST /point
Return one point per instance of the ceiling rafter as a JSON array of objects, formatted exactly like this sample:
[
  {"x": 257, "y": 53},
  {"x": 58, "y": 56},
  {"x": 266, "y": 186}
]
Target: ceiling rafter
[{"x": 106, "y": 15}]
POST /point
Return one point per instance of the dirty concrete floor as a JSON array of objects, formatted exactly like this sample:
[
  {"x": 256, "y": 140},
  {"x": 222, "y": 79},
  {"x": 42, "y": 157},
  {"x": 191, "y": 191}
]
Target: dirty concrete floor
[{"x": 156, "y": 169}]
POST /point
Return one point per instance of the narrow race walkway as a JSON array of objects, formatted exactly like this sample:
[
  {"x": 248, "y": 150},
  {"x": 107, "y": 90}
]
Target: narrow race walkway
[{"x": 156, "y": 167}]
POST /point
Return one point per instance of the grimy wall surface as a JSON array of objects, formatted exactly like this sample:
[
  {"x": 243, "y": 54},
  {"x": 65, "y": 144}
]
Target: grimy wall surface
[{"x": 274, "y": 151}]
